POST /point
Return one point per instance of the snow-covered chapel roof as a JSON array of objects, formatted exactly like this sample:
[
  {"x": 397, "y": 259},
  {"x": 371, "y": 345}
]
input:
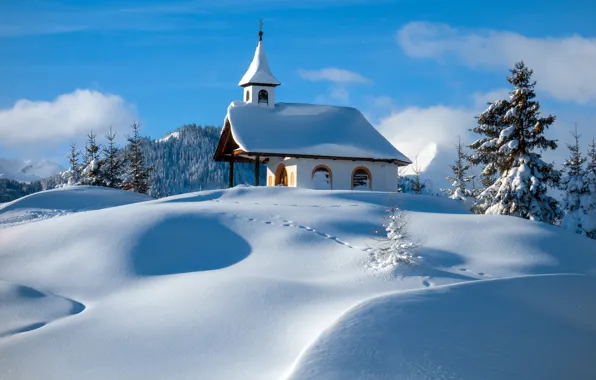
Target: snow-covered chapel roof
[
  {"x": 308, "y": 130},
  {"x": 259, "y": 71}
]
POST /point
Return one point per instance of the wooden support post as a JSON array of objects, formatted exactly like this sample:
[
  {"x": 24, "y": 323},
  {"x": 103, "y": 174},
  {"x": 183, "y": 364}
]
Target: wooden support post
[
  {"x": 231, "y": 177},
  {"x": 257, "y": 170}
]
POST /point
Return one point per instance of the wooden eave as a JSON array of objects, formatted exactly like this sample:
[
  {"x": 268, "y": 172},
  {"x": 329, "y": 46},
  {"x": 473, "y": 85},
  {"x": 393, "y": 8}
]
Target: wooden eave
[
  {"x": 294, "y": 155},
  {"x": 259, "y": 84},
  {"x": 226, "y": 147}
]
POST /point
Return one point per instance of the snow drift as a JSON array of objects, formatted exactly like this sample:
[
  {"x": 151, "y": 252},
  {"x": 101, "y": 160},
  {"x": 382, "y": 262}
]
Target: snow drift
[
  {"x": 47, "y": 204},
  {"x": 500, "y": 329},
  {"x": 270, "y": 283}
]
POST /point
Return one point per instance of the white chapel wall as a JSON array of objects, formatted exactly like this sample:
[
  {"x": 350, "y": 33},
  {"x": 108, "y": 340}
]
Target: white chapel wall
[{"x": 384, "y": 175}]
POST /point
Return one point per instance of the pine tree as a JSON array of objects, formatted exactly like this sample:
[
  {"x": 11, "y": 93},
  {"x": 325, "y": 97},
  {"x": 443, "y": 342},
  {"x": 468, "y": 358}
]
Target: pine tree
[
  {"x": 113, "y": 165},
  {"x": 417, "y": 185},
  {"x": 512, "y": 132},
  {"x": 574, "y": 187},
  {"x": 487, "y": 177},
  {"x": 395, "y": 246},
  {"x": 73, "y": 174},
  {"x": 460, "y": 179},
  {"x": 590, "y": 200},
  {"x": 91, "y": 174},
  {"x": 137, "y": 174}
]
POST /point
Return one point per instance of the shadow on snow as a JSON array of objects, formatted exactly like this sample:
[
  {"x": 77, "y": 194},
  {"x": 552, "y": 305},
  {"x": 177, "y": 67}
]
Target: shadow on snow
[{"x": 187, "y": 243}]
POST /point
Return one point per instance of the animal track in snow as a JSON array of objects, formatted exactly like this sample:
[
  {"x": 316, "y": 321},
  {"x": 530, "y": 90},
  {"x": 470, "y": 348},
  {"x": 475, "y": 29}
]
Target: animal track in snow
[
  {"x": 478, "y": 273},
  {"x": 289, "y": 223}
]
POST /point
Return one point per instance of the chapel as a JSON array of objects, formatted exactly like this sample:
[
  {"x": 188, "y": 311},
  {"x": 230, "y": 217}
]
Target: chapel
[{"x": 304, "y": 145}]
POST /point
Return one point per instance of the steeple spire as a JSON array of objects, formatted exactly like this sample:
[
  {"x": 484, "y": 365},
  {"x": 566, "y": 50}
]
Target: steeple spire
[
  {"x": 259, "y": 72},
  {"x": 261, "y": 30}
]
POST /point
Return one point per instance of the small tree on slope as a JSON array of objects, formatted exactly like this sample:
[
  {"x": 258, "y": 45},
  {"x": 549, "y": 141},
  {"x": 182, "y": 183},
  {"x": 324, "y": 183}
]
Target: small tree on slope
[
  {"x": 395, "y": 247},
  {"x": 590, "y": 206},
  {"x": 91, "y": 174},
  {"x": 73, "y": 174},
  {"x": 460, "y": 179},
  {"x": 137, "y": 175},
  {"x": 417, "y": 185},
  {"x": 575, "y": 188},
  {"x": 113, "y": 165},
  {"x": 512, "y": 132}
]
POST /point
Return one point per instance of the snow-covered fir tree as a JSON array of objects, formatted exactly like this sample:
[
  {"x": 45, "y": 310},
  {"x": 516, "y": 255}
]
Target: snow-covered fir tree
[
  {"x": 460, "y": 180},
  {"x": 512, "y": 134},
  {"x": 72, "y": 175},
  {"x": 137, "y": 174},
  {"x": 395, "y": 246},
  {"x": 113, "y": 163},
  {"x": 91, "y": 173},
  {"x": 487, "y": 178},
  {"x": 417, "y": 185},
  {"x": 575, "y": 188},
  {"x": 590, "y": 206}
]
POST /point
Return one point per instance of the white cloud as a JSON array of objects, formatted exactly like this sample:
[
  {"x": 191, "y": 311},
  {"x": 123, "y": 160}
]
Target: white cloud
[
  {"x": 563, "y": 67},
  {"x": 340, "y": 94},
  {"x": 69, "y": 116},
  {"x": 334, "y": 96},
  {"x": 335, "y": 75},
  {"x": 427, "y": 136},
  {"x": 413, "y": 129}
]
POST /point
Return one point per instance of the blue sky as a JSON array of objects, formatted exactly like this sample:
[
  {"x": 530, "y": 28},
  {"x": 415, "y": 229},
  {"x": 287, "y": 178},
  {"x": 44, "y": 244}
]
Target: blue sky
[{"x": 419, "y": 70}]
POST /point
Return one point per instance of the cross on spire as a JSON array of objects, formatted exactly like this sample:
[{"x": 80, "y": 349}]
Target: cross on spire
[{"x": 261, "y": 30}]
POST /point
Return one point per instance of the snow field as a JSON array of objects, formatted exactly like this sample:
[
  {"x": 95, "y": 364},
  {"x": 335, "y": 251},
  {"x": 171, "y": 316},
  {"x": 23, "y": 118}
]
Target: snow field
[{"x": 251, "y": 282}]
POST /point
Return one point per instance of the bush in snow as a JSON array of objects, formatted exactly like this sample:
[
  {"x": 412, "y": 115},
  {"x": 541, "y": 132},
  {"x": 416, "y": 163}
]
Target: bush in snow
[
  {"x": 460, "y": 179},
  {"x": 575, "y": 189},
  {"x": 395, "y": 246},
  {"x": 513, "y": 132}
]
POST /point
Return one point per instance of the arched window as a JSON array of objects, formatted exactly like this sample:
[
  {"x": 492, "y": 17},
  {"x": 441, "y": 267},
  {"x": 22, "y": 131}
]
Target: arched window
[
  {"x": 322, "y": 179},
  {"x": 247, "y": 96},
  {"x": 270, "y": 181},
  {"x": 292, "y": 183},
  {"x": 263, "y": 97},
  {"x": 281, "y": 175},
  {"x": 361, "y": 179}
]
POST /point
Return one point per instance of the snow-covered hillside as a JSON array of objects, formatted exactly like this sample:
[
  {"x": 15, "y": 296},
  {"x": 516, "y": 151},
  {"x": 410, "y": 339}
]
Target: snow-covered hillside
[
  {"x": 57, "y": 202},
  {"x": 27, "y": 170},
  {"x": 274, "y": 283}
]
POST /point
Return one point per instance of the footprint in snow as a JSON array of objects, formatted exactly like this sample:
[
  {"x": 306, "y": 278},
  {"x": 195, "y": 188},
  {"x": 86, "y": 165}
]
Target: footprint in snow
[{"x": 426, "y": 283}]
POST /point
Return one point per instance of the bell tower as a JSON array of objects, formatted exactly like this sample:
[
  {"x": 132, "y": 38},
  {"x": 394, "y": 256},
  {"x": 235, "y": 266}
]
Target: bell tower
[{"x": 258, "y": 82}]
